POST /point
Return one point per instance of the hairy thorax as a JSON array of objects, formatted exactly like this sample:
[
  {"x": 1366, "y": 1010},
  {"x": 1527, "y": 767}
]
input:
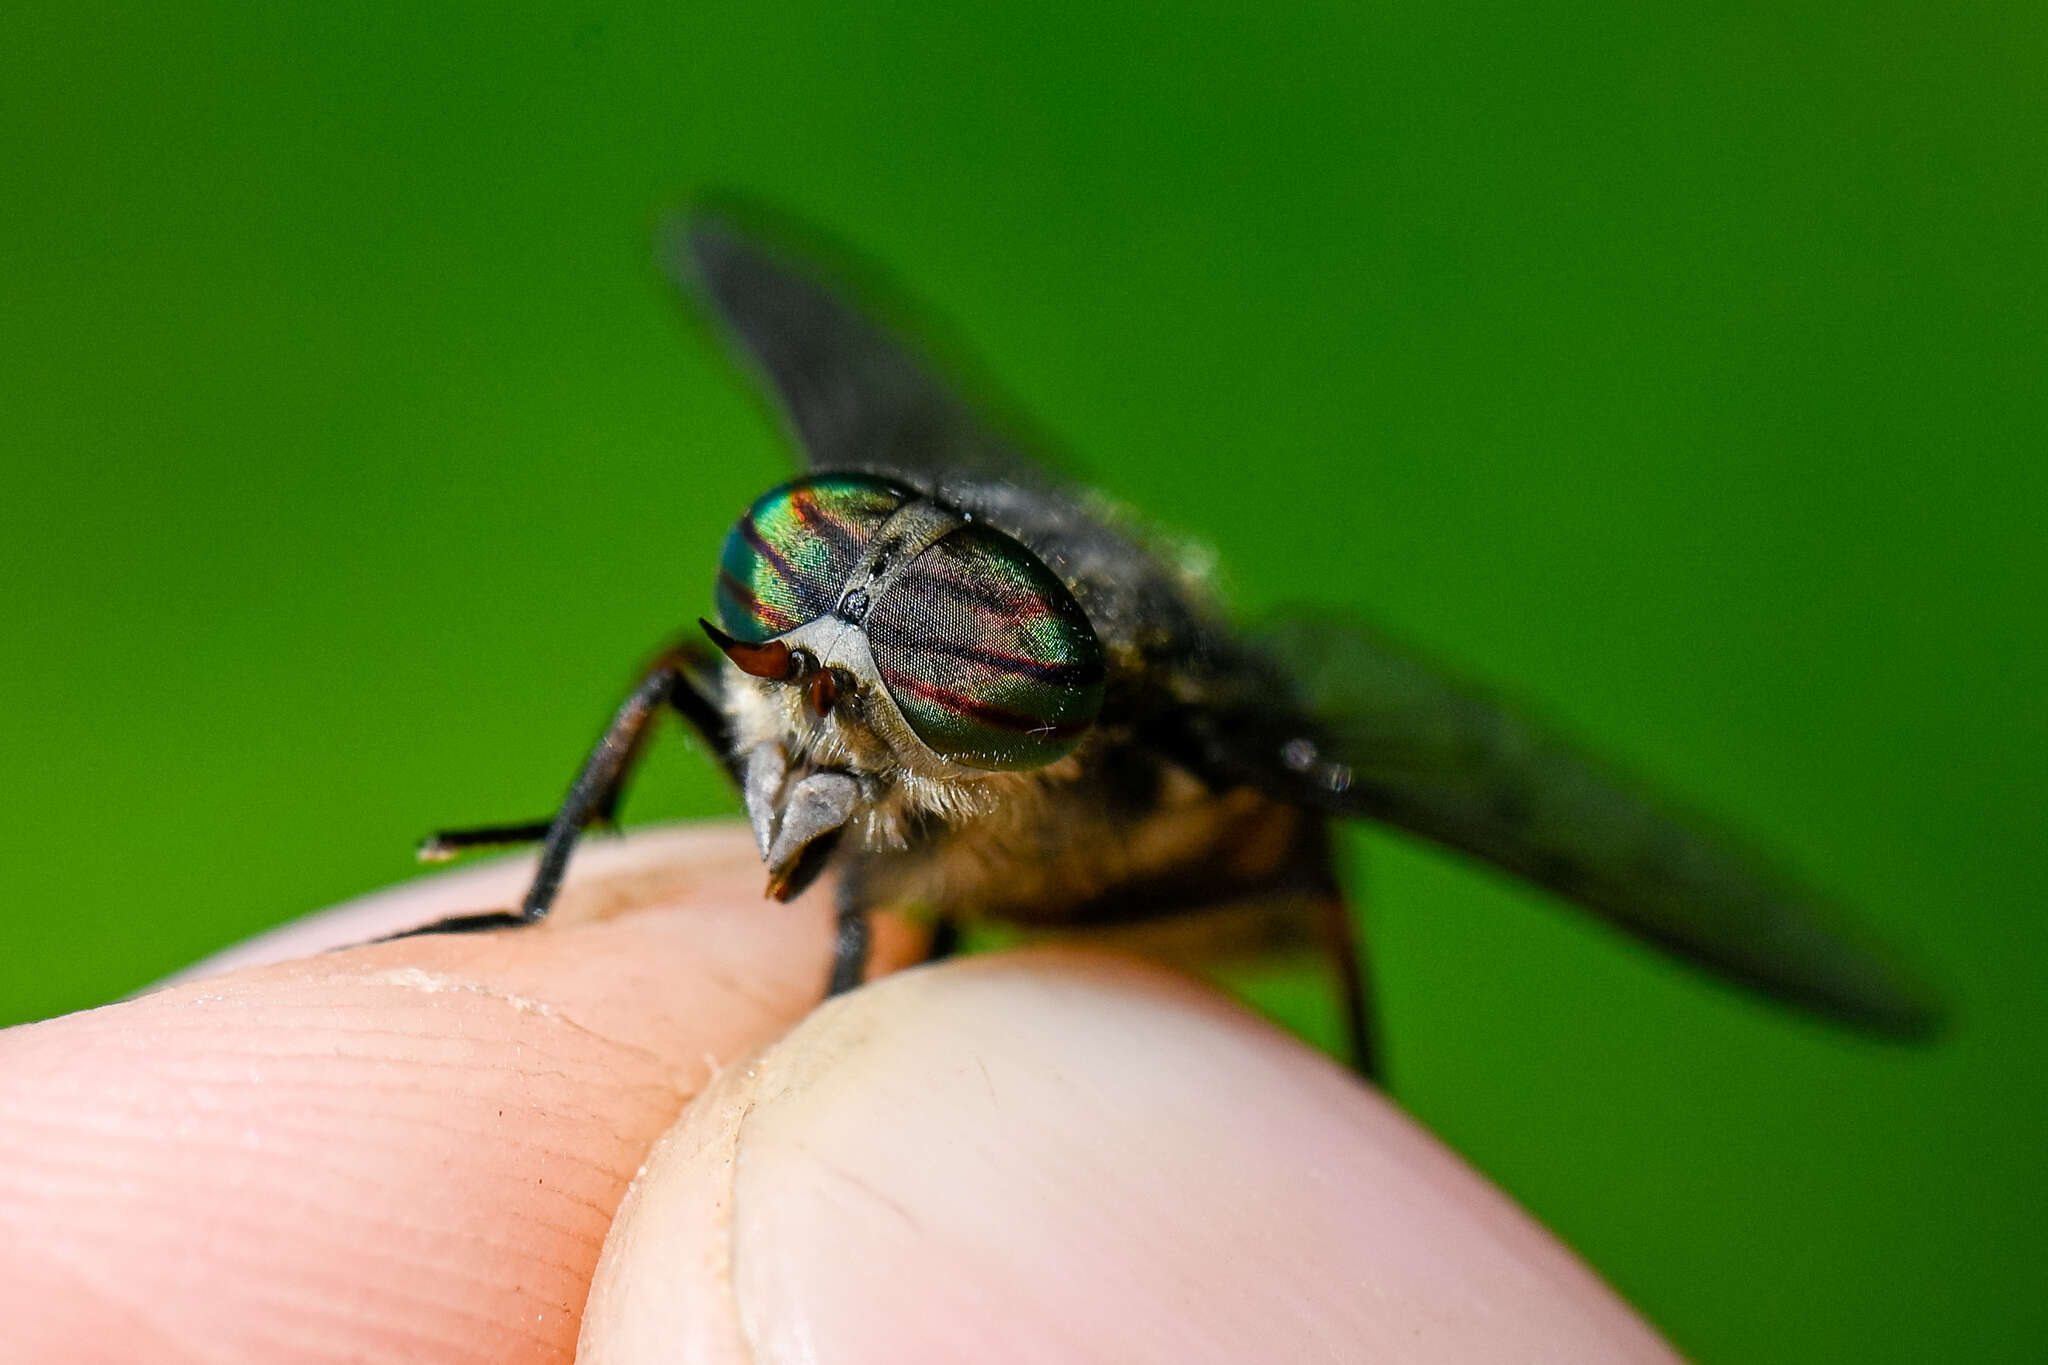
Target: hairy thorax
[{"x": 1073, "y": 850}]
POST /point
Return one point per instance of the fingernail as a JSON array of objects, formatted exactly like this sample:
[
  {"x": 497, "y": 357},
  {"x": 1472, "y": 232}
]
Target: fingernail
[{"x": 1058, "y": 1157}]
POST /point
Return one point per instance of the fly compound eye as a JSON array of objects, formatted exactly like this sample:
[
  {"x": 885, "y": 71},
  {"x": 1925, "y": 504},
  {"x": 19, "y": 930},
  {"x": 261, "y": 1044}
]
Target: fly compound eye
[
  {"x": 987, "y": 655},
  {"x": 785, "y": 561}
]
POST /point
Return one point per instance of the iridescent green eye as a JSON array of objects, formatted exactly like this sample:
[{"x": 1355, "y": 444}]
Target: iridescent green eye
[
  {"x": 785, "y": 561},
  {"x": 986, "y": 654}
]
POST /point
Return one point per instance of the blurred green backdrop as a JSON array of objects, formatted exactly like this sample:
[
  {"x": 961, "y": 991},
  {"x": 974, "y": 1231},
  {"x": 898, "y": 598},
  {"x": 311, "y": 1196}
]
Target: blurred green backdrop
[{"x": 1682, "y": 366}]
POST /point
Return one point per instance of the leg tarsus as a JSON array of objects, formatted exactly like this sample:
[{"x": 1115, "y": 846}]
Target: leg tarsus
[
  {"x": 481, "y": 922},
  {"x": 444, "y": 844}
]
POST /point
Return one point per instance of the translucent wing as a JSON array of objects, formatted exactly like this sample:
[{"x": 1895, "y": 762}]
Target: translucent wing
[
  {"x": 1334, "y": 717},
  {"x": 859, "y": 398},
  {"x": 856, "y": 397}
]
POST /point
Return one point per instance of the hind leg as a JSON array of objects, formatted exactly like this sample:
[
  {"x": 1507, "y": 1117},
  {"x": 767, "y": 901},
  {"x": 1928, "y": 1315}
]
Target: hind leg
[{"x": 1352, "y": 969}]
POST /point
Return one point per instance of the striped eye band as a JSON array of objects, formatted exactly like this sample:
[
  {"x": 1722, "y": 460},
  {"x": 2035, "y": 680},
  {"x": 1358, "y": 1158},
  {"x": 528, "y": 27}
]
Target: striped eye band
[
  {"x": 986, "y": 654},
  {"x": 786, "y": 559}
]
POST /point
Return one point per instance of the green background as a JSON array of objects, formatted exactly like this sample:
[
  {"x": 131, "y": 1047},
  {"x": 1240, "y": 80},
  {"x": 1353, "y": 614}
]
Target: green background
[{"x": 1683, "y": 369}]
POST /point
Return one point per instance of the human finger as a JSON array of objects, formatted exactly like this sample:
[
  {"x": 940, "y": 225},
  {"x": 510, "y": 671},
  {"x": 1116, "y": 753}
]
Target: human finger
[
  {"x": 1056, "y": 1157},
  {"x": 399, "y": 1151}
]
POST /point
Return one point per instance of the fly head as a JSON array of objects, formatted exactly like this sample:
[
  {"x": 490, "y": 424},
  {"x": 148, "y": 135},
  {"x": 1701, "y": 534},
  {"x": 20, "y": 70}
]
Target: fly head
[{"x": 891, "y": 662}]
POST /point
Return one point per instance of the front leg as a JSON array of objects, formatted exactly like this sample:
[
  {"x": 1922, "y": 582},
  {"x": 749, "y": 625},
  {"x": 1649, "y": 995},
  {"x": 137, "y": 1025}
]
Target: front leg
[{"x": 674, "y": 680}]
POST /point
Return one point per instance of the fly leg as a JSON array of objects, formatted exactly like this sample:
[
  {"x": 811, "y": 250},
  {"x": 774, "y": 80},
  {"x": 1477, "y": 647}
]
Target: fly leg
[
  {"x": 1212, "y": 908},
  {"x": 689, "y": 696},
  {"x": 852, "y": 939},
  {"x": 853, "y": 932},
  {"x": 673, "y": 681},
  {"x": 945, "y": 939},
  {"x": 444, "y": 844},
  {"x": 1353, "y": 971},
  {"x": 850, "y": 942}
]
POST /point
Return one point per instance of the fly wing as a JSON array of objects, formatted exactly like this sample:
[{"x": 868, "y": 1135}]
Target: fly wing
[
  {"x": 1334, "y": 717},
  {"x": 857, "y": 397}
]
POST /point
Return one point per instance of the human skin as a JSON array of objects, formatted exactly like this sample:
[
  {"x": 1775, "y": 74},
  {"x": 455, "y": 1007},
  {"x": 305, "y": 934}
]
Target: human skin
[{"x": 635, "y": 1126}]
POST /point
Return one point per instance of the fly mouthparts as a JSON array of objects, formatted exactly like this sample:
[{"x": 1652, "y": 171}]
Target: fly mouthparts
[{"x": 808, "y": 825}]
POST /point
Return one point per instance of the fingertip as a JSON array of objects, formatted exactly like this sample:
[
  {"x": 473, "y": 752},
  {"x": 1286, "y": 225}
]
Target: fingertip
[
  {"x": 648, "y": 869},
  {"x": 403, "y": 1150},
  {"x": 1057, "y": 1156}
]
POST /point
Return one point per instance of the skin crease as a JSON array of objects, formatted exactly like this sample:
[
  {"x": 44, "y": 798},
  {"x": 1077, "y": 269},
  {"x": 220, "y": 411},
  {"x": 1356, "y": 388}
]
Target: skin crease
[{"x": 418, "y": 1151}]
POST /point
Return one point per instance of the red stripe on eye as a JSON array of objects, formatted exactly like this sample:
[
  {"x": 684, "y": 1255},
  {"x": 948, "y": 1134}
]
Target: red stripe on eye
[
  {"x": 767, "y": 613},
  {"x": 804, "y": 588},
  {"x": 804, "y": 502},
  {"x": 1053, "y": 673},
  {"x": 981, "y": 712},
  {"x": 978, "y": 595}
]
